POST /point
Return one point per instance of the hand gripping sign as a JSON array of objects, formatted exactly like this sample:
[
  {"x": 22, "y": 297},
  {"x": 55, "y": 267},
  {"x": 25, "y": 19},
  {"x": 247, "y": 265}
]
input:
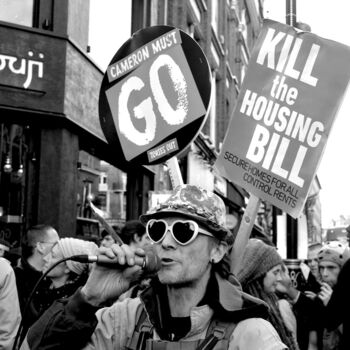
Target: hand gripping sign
[{"x": 154, "y": 96}]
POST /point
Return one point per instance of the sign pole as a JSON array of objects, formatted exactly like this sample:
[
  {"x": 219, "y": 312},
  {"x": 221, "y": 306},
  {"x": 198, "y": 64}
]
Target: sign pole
[
  {"x": 291, "y": 17},
  {"x": 174, "y": 172},
  {"x": 244, "y": 231},
  {"x": 292, "y": 224}
]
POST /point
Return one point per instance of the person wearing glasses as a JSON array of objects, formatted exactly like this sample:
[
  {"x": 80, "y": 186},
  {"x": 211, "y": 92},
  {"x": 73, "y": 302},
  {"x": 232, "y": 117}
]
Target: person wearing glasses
[
  {"x": 193, "y": 302},
  {"x": 61, "y": 281},
  {"x": 37, "y": 243}
]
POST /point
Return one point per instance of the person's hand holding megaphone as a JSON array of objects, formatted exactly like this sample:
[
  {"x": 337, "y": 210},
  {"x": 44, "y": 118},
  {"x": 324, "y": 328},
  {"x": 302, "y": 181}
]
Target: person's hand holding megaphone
[{"x": 115, "y": 269}]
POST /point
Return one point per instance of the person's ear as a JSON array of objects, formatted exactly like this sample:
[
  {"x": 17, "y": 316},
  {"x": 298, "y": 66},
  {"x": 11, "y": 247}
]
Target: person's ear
[
  {"x": 136, "y": 238},
  {"x": 40, "y": 248},
  {"x": 218, "y": 252}
]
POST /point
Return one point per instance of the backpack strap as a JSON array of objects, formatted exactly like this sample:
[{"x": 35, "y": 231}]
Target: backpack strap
[
  {"x": 218, "y": 335},
  {"x": 143, "y": 330}
]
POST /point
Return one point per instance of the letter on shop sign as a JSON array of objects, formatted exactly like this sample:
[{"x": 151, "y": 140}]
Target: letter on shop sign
[{"x": 26, "y": 67}]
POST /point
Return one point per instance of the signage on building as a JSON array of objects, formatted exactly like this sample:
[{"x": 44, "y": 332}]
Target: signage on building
[
  {"x": 25, "y": 69},
  {"x": 32, "y": 70},
  {"x": 286, "y": 107},
  {"x": 155, "y": 95}
]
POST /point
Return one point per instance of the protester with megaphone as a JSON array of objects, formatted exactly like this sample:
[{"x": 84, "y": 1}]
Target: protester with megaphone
[{"x": 193, "y": 300}]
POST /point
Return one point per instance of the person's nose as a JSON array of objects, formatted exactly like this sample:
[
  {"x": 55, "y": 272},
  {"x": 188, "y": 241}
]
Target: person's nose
[{"x": 168, "y": 241}]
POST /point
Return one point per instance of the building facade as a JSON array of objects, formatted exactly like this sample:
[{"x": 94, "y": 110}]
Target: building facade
[
  {"x": 54, "y": 157},
  {"x": 226, "y": 31}
]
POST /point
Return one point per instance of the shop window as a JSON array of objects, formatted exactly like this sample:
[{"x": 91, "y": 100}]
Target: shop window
[
  {"x": 17, "y": 11},
  {"x": 30, "y": 13},
  {"x": 88, "y": 229},
  {"x": 105, "y": 186},
  {"x": 13, "y": 154},
  {"x": 14, "y": 163}
]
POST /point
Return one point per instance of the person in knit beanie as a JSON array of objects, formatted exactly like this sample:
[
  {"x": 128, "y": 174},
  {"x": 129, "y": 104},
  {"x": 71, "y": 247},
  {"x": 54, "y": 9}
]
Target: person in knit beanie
[
  {"x": 68, "y": 270},
  {"x": 258, "y": 259},
  {"x": 64, "y": 279},
  {"x": 73, "y": 246},
  {"x": 261, "y": 268},
  {"x": 331, "y": 259}
]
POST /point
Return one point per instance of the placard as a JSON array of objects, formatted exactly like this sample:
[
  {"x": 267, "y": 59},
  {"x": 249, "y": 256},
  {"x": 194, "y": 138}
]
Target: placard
[
  {"x": 292, "y": 90},
  {"x": 154, "y": 96}
]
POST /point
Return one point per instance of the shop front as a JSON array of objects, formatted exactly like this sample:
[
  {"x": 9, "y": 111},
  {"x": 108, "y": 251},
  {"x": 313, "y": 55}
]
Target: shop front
[{"x": 51, "y": 142}]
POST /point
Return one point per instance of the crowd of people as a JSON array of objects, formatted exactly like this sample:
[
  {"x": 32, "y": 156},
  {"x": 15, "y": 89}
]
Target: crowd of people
[{"x": 171, "y": 287}]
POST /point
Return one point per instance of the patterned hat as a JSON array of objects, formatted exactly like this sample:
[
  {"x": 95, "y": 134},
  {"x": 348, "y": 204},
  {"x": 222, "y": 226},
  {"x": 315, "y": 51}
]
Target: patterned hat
[
  {"x": 73, "y": 246},
  {"x": 334, "y": 251},
  {"x": 195, "y": 203},
  {"x": 258, "y": 259}
]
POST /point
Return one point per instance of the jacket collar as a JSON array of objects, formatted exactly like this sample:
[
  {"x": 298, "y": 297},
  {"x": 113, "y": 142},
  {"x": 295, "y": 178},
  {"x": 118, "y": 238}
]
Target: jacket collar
[
  {"x": 24, "y": 265},
  {"x": 224, "y": 297}
]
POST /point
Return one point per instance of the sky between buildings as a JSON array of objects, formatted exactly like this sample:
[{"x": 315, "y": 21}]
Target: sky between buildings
[{"x": 110, "y": 27}]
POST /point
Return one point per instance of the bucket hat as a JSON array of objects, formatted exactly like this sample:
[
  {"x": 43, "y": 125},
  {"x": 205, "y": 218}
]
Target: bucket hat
[{"x": 196, "y": 203}]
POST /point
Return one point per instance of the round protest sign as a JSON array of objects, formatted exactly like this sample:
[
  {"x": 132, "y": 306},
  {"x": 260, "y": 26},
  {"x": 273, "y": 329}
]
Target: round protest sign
[{"x": 154, "y": 95}]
